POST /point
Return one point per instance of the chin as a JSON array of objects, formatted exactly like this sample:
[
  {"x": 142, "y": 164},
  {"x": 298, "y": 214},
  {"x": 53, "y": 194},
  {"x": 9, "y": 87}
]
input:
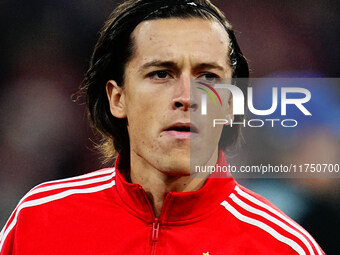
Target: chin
[{"x": 176, "y": 165}]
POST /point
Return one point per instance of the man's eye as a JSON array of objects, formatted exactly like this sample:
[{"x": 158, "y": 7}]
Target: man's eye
[
  {"x": 161, "y": 75},
  {"x": 209, "y": 77}
]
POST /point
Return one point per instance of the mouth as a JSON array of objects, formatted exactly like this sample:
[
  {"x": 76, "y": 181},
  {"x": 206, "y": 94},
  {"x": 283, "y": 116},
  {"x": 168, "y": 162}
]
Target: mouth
[
  {"x": 182, "y": 127},
  {"x": 181, "y": 130}
]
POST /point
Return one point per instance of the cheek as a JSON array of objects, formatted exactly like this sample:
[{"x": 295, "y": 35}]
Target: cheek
[
  {"x": 143, "y": 113},
  {"x": 227, "y": 108}
]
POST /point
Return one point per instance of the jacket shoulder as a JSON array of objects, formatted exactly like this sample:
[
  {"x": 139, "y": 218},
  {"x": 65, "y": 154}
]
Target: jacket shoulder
[
  {"x": 51, "y": 192},
  {"x": 264, "y": 218}
]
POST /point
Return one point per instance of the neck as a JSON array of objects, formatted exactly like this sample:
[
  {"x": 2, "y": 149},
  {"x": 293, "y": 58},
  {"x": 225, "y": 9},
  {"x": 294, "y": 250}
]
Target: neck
[{"x": 157, "y": 183}]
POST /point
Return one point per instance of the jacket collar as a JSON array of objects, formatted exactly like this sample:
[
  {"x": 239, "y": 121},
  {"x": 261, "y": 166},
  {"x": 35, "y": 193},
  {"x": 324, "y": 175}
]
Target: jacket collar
[{"x": 178, "y": 206}]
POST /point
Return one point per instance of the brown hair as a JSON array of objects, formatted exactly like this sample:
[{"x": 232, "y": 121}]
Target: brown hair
[{"x": 114, "y": 50}]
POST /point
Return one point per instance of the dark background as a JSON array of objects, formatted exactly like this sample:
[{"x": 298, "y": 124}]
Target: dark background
[{"x": 45, "y": 48}]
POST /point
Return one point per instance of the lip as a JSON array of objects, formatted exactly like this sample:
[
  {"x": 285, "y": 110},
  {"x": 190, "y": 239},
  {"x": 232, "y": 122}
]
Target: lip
[
  {"x": 184, "y": 125},
  {"x": 174, "y": 130}
]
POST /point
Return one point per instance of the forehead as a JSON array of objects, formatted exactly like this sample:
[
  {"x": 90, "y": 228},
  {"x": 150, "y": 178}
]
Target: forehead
[{"x": 194, "y": 38}]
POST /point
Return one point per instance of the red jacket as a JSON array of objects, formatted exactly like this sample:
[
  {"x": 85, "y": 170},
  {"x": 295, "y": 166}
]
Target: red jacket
[{"x": 101, "y": 213}]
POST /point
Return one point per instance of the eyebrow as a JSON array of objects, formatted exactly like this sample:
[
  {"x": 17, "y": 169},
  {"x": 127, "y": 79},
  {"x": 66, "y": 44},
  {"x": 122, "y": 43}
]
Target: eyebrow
[
  {"x": 210, "y": 66},
  {"x": 173, "y": 65},
  {"x": 158, "y": 63}
]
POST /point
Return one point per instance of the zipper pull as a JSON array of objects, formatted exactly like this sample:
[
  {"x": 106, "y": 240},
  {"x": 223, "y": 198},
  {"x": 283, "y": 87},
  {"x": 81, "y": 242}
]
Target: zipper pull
[{"x": 155, "y": 230}]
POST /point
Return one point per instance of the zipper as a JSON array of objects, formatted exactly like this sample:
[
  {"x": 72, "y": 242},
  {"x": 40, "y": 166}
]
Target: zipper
[
  {"x": 155, "y": 230},
  {"x": 156, "y": 224},
  {"x": 155, "y": 234}
]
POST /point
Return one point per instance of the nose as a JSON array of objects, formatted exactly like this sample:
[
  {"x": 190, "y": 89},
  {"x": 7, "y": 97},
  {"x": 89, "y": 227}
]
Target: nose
[{"x": 182, "y": 97}]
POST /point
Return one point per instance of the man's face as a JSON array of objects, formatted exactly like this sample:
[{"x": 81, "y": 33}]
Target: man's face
[{"x": 156, "y": 94}]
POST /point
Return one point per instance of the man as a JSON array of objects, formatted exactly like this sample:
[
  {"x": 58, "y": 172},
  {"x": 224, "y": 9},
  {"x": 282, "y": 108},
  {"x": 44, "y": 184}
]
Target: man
[{"x": 138, "y": 93}]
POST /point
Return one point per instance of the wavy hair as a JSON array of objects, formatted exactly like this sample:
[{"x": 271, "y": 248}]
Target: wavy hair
[{"x": 114, "y": 50}]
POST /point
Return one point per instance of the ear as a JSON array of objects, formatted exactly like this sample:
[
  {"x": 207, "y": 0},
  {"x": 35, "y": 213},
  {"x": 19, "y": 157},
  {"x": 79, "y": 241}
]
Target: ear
[{"x": 116, "y": 99}]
